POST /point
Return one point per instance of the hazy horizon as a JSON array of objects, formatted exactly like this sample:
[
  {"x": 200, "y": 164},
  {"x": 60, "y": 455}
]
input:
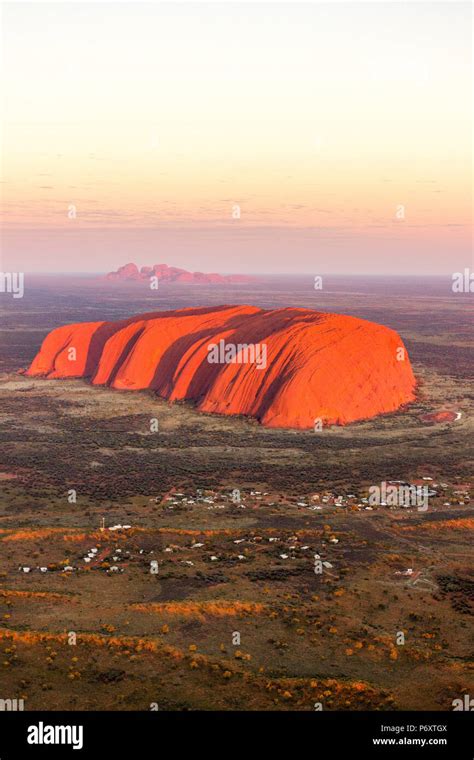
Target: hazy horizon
[{"x": 238, "y": 137}]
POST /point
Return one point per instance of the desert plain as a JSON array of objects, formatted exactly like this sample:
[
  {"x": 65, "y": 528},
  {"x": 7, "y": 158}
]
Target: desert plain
[{"x": 213, "y": 563}]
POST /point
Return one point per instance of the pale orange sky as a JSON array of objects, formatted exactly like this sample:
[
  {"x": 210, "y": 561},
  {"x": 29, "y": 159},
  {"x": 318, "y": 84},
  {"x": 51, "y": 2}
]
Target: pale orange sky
[{"x": 140, "y": 131}]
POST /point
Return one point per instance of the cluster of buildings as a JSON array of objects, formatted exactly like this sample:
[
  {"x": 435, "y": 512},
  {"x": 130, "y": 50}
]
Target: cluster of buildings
[{"x": 444, "y": 494}]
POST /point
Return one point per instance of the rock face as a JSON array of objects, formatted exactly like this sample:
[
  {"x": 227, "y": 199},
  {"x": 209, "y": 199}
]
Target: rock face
[
  {"x": 130, "y": 272},
  {"x": 286, "y": 367}
]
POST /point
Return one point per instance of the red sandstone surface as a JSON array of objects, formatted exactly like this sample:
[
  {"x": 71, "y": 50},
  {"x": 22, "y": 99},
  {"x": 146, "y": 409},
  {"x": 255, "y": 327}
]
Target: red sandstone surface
[
  {"x": 336, "y": 368},
  {"x": 164, "y": 273}
]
